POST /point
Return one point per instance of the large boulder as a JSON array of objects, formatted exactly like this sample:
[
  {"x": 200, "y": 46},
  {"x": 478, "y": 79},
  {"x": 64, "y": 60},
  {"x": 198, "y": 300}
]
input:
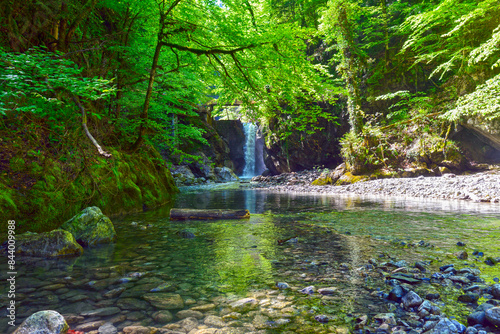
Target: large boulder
[
  {"x": 183, "y": 176},
  {"x": 56, "y": 243},
  {"x": 43, "y": 322},
  {"x": 225, "y": 174},
  {"x": 91, "y": 227}
]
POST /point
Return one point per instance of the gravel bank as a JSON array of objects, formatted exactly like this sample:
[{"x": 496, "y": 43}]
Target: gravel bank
[{"x": 479, "y": 187}]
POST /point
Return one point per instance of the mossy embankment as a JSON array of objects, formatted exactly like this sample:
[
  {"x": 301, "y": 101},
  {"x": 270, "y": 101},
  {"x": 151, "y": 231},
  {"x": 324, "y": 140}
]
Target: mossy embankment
[{"x": 46, "y": 178}]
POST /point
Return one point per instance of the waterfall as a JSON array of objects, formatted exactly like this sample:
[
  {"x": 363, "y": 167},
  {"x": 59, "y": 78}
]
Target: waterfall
[{"x": 250, "y": 136}]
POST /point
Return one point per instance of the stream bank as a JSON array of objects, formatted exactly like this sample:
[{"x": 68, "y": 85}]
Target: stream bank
[{"x": 480, "y": 186}]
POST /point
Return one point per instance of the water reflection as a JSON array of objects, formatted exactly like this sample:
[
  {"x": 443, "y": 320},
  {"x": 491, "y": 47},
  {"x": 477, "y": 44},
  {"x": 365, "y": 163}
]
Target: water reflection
[{"x": 260, "y": 201}]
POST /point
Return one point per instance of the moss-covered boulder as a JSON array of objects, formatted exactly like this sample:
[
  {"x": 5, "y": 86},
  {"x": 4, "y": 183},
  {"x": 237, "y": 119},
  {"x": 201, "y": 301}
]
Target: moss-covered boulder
[
  {"x": 330, "y": 177},
  {"x": 56, "y": 243},
  {"x": 90, "y": 227},
  {"x": 47, "y": 322}
]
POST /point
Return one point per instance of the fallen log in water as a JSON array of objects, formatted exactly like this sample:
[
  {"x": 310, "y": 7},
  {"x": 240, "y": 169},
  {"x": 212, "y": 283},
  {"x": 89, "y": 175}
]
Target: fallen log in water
[{"x": 207, "y": 214}]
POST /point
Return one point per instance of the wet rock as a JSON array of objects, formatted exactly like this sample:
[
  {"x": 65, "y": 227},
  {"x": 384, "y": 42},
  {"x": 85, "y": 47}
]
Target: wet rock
[
  {"x": 309, "y": 290},
  {"x": 411, "y": 299},
  {"x": 165, "y": 301},
  {"x": 89, "y": 326},
  {"x": 56, "y": 243},
  {"x": 165, "y": 287},
  {"x": 131, "y": 304},
  {"x": 90, "y": 227},
  {"x": 163, "y": 316},
  {"x": 327, "y": 291},
  {"x": 189, "y": 314},
  {"x": 188, "y": 324},
  {"x": 214, "y": 321},
  {"x": 138, "y": 330},
  {"x": 107, "y": 328},
  {"x": 101, "y": 312},
  {"x": 244, "y": 305},
  {"x": 493, "y": 316},
  {"x": 322, "y": 318},
  {"x": 461, "y": 244},
  {"x": 50, "y": 322},
  {"x": 114, "y": 293},
  {"x": 203, "y": 308}
]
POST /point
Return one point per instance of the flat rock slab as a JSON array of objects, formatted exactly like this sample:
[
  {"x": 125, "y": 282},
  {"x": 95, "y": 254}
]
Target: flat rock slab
[
  {"x": 195, "y": 214},
  {"x": 405, "y": 278},
  {"x": 165, "y": 301}
]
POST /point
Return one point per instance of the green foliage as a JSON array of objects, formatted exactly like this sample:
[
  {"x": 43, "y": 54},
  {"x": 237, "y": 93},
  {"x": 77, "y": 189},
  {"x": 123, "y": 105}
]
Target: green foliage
[
  {"x": 38, "y": 81},
  {"x": 484, "y": 102}
]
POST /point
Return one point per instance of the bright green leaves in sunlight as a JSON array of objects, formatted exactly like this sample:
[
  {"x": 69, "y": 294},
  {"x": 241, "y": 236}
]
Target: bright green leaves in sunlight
[
  {"x": 484, "y": 102},
  {"x": 38, "y": 82}
]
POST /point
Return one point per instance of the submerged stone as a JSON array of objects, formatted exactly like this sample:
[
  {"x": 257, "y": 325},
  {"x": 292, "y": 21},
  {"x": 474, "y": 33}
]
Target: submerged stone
[
  {"x": 56, "y": 243},
  {"x": 165, "y": 301}
]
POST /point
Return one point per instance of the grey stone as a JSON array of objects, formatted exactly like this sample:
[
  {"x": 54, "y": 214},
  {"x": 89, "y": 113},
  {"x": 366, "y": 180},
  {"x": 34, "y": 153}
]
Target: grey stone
[
  {"x": 107, "y": 328},
  {"x": 493, "y": 316},
  {"x": 411, "y": 299},
  {"x": 50, "y": 322}
]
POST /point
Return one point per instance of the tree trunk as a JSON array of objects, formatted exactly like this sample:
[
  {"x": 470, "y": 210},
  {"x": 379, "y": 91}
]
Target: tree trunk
[
  {"x": 194, "y": 214},
  {"x": 144, "y": 114}
]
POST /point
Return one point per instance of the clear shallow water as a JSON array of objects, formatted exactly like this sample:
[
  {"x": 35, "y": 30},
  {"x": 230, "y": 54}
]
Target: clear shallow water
[{"x": 228, "y": 260}]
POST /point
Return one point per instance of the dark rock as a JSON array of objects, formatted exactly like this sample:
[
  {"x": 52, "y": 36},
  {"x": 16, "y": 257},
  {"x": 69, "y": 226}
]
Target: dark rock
[
  {"x": 443, "y": 268},
  {"x": 432, "y": 296},
  {"x": 90, "y": 227},
  {"x": 50, "y": 322},
  {"x": 421, "y": 266},
  {"x": 469, "y": 297},
  {"x": 405, "y": 278},
  {"x": 495, "y": 290},
  {"x": 396, "y": 293},
  {"x": 461, "y": 244},
  {"x": 322, "y": 318},
  {"x": 232, "y": 132},
  {"x": 476, "y": 318},
  {"x": 493, "y": 316},
  {"x": 411, "y": 299}
]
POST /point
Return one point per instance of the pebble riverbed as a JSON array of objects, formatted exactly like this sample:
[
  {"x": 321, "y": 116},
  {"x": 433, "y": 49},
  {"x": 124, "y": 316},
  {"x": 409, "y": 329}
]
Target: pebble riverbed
[{"x": 478, "y": 187}]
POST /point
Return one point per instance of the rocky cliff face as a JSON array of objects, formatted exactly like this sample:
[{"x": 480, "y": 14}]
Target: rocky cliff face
[
  {"x": 304, "y": 151},
  {"x": 231, "y": 131}
]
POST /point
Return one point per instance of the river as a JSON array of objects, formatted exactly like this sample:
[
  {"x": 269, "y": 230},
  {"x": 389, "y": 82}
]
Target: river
[{"x": 159, "y": 272}]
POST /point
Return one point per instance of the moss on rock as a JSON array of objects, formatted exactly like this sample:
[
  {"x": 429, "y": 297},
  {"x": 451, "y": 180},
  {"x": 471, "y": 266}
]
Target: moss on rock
[{"x": 56, "y": 243}]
